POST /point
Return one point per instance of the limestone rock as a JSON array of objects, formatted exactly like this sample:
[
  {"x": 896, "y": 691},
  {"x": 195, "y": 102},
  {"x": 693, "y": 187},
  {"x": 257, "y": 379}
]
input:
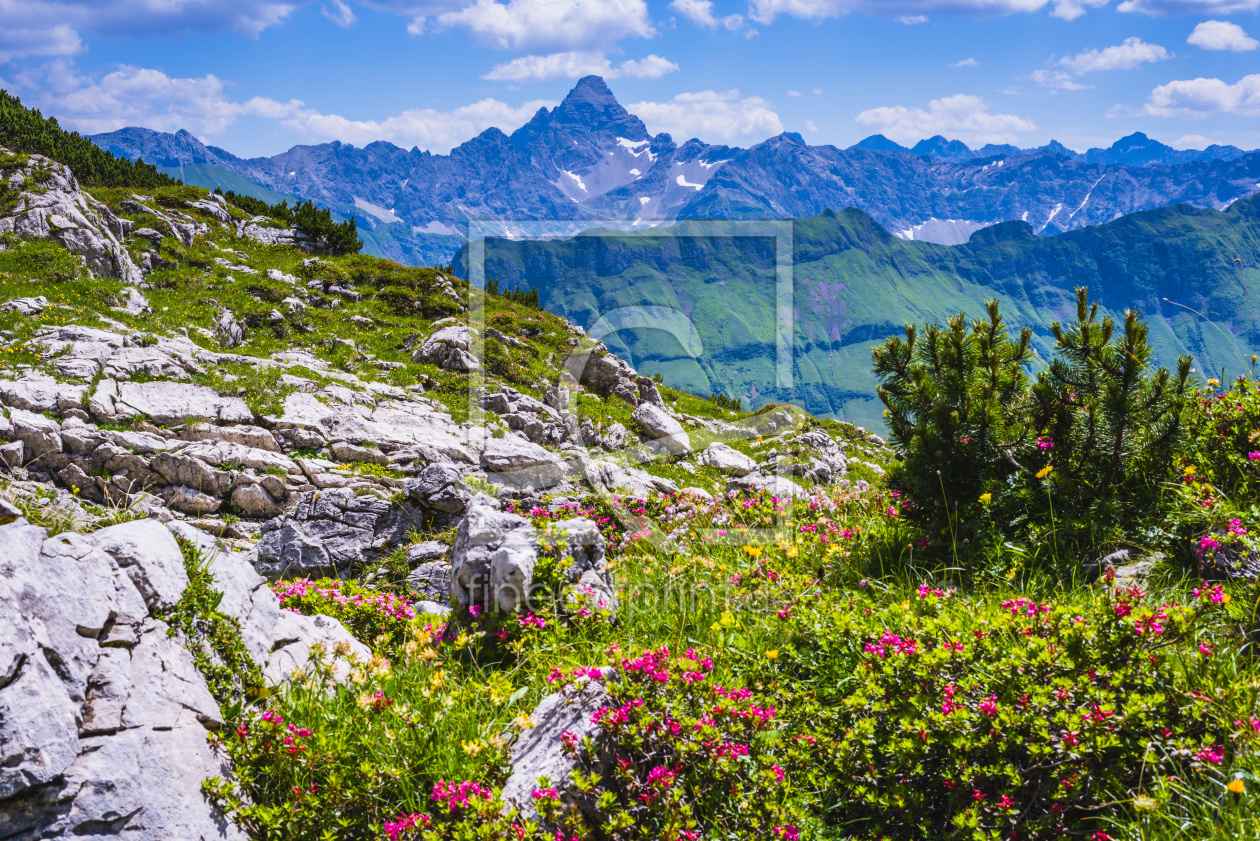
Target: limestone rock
[
  {"x": 726, "y": 459},
  {"x": 147, "y": 552},
  {"x": 333, "y": 532},
  {"x": 659, "y": 426},
  {"x": 38, "y": 393},
  {"x": 431, "y": 581},
  {"x": 228, "y": 330},
  {"x": 448, "y": 348},
  {"x": 518, "y": 463},
  {"x": 40, "y": 436},
  {"x": 438, "y": 488},
  {"x": 255, "y": 502},
  {"x": 190, "y": 501},
  {"x": 492, "y": 560},
  {"x": 538, "y": 751},
  {"x": 60, "y": 211},
  {"x": 25, "y": 306}
]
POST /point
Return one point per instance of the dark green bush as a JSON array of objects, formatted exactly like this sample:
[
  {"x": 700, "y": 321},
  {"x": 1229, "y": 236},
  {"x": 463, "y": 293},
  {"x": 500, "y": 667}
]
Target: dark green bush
[{"x": 1075, "y": 460}]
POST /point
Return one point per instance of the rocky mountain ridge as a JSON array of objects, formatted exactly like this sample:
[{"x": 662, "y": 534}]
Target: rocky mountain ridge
[{"x": 589, "y": 160}]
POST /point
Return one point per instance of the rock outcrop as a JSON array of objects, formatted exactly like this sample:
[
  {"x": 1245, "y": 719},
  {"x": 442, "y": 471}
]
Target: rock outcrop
[
  {"x": 58, "y": 209},
  {"x": 103, "y": 713}
]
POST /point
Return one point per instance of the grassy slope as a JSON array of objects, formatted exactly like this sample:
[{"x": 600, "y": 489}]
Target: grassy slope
[{"x": 856, "y": 284}]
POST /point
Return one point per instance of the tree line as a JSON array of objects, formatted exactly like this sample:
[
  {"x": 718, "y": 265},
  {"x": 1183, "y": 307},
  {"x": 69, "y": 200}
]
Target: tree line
[
  {"x": 26, "y": 130},
  {"x": 314, "y": 222}
]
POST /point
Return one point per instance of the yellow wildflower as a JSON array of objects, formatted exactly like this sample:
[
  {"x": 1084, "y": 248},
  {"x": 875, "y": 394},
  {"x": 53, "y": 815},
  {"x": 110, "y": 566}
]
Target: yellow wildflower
[
  {"x": 753, "y": 551},
  {"x": 1044, "y": 472},
  {"x": 772, "y": 653},
  {"x": 986, "y": 498},
  {"x": 1143, "y": 803},
  {"x": 1237, "y": 787},
  {"x": 1190, "y": 470}
]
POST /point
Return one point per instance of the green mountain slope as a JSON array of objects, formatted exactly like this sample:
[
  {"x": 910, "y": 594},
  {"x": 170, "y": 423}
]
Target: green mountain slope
[{"x": 854, "y": 284}]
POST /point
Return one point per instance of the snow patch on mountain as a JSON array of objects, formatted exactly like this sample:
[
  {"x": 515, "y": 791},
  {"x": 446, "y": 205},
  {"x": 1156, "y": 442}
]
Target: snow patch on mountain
[
  {"x": 683, "y": 182},
  {"x": 942, "y": 231},
  {"x": 382, "y": 213}
]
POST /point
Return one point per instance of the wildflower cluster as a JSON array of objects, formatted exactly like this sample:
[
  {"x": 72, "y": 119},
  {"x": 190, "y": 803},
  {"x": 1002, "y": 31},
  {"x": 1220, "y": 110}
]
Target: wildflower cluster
[
  {"x": 1015, "y": 717},
  {"x": 380, "y": 618},
  {"x": 690, "y": 758}
]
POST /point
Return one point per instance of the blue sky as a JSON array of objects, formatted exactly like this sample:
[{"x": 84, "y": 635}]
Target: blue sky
[{"x": 258, "y": 76}]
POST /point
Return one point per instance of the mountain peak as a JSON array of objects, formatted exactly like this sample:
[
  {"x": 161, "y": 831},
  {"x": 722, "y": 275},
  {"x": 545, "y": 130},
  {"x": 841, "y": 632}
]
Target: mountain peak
[
  {"x": 940, "y": 147},
  {"x": 590, "y": 106},
  {"x": 592, "y": 90},
  {"x": 879, "y": 143}
]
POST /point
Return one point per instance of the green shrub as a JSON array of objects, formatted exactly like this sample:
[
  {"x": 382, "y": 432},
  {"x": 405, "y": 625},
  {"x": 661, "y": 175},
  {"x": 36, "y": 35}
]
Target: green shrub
[
  {"x": 1074, "y": 460},
  {"x": 1000, "y": 718},
  {"x": 213, "y": 638},
  {"x": 689, "y": 758}
]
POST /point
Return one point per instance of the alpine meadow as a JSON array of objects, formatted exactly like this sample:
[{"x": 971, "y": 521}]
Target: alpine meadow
[{"x": 630, "y": 420}]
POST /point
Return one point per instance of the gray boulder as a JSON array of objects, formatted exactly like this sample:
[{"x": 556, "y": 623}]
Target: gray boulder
[
  {"x": 189, "y": 501},
  {"x": 521, "y": 464},
  {"x": 431, "y": 581},
  {"x": 228, "y": 330},
  {"x": 333, "y": 532},
  {"x": 493, "y": 557},
  {"x": 440, "y": 489},
  {"x": 25, "y": 306},
  {"x": 538, "y": 750},
  {"x": 726, "y": 459},
  {"x": 448, "y": 348},
  {"x": 103, "y": 716},
  {"x": 659, "y": 426}
]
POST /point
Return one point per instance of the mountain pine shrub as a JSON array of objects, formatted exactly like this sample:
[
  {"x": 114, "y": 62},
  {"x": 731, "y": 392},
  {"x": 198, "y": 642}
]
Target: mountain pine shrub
[{"x": 1074, "y": 459}]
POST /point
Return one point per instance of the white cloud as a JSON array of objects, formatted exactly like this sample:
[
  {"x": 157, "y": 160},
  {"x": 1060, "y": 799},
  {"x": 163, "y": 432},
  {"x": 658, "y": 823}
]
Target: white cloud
[
  {"x": 1058, "y": 80},
  {"x": 1073, "y": 9},
  {"x": 1197, "y": 98},
  {"x": 649, "y": 68},
  {"x": 574, "y": 65},
  {"x": 340, "y": 14},
  {"x": 55, "y": 41},
  {"x": 700, "y": 12},
  {"x": 542, "y": 68},
  {"x": 812, "y": 126},
  {"x": 817, "y": 91},
  {"x": 794, "y": 93},
  {"x": 137, "y": 17},
  {"x": 960, "y": 116},
  {"x": 911, "y": 20},
  {"x": 1126, "y": 56},
  {"x": 710, "y": 115},
  {"x": 553, "y": 24},
  {"x": 1192, "y": 141},
  {"x": 912, "y": 11},
  {"x": 428, "y": 128},
  {"x": 1221, "y": 35},
  {"x": 966, "y": 62},
  {"x": 1167, "y": 8},
  {"x": 129, "y": 96}
]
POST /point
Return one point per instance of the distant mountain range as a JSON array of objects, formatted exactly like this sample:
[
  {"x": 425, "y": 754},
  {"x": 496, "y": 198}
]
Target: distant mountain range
[
  {"x": 855, "y": 284},
  {"x": 590, "y": 161}
]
